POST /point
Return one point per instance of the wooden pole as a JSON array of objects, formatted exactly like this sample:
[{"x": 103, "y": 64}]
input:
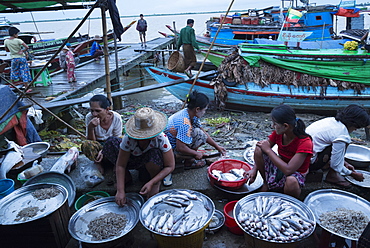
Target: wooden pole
[
  {"x": 209, "y": 49},
  {"x": 51, "y": 59},
  {"x": 57, "y": 117},
  {"x": 106, "y": 55}
]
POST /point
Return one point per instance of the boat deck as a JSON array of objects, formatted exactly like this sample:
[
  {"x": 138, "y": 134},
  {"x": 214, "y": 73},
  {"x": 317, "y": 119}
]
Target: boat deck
[{"x": 91, "y": 74}]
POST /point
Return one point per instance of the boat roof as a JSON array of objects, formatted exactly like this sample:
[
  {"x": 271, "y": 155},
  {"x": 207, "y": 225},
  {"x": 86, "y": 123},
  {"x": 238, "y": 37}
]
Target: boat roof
[{"x": 14, "y": 6}]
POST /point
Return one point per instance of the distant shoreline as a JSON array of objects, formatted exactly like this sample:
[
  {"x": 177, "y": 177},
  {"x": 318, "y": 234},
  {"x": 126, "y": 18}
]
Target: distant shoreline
[{"x": 128, "y": 16}]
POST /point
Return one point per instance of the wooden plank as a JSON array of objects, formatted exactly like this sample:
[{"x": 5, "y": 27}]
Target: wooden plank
[{"x": 70, "y": 102}]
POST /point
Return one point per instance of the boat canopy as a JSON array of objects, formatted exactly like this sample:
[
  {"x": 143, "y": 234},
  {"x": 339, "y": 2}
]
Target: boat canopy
[{"x": 13, "y": 6}]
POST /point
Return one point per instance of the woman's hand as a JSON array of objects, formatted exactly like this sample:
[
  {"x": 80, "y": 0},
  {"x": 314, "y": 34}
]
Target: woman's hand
[
  {"x": 357, "y": 176},
  {"x": 264, "y": 145},
  {"x": 147, "y": 189},
  {"x": 99, "y": 157},
  {"x": 120, "y": 198},
  {"x": 199, "y": 155},
  {"x": 222, "y": 150},
  {"x": 95, "y": 122},
  {"x": 251, "y": 176}
]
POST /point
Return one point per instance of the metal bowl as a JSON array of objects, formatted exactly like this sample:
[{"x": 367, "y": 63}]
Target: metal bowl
[
  {"x": 78, "y": 223},
  {"x": 217, "y": 221},
  {"x": 57, "y": 178},
  {"x": 40, "y": 148},
  {"x": 325, "y": 200},
  {"x": 203, "y": 207},
  {"x": 248, "y": 201},
  {"x": 358, "y": 156},
  {"x": 22, "y": 198}
]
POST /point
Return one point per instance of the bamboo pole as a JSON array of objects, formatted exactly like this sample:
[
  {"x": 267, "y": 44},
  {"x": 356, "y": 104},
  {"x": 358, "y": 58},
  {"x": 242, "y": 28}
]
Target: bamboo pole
[
  {"x": 47, "y": 110},
  {"x": 209, "y": 49},
  {"x": 106, "y": 55},
  {"x": 51, "y": 59}
]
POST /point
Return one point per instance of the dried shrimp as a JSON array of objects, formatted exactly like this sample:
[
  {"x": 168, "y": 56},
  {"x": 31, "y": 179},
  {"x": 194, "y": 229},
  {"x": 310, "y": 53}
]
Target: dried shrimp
[
  {"x": 106, "y": 226},
  {"x": 346, "y": 222}
]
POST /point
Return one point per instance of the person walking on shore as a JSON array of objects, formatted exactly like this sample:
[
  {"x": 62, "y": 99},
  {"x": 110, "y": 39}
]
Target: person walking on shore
[
  {"x": 142, "y": 26},
  {"x": 188, "y": 42},
  {"x": 20, "y": 72}
]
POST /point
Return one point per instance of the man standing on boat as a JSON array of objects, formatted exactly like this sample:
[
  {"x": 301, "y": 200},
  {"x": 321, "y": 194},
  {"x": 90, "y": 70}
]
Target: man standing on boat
[
  {"x": 142, "y": 27},
  {"x": 188, "y": 41}
]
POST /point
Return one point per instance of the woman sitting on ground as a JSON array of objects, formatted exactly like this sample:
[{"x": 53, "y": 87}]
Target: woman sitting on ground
[
  {"x": 103, "y": 131},
  {"x": 331, "y": 137},
  {"x": 186, "y": 133},
  {"x": 286, "y": 170},
  {"x": 144, "y": 146}
]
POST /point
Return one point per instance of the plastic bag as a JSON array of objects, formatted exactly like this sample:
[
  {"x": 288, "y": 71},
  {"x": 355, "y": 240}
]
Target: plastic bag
[{"x": 91, "y": 175}]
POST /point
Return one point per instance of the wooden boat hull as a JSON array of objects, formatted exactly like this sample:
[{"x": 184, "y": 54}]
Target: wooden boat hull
[{"x": 255, "y": 98}]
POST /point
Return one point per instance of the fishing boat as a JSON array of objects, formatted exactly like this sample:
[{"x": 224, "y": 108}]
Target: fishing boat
[
  {"x": 256, "y": 97},
  {"x": 267, "y": 23}
]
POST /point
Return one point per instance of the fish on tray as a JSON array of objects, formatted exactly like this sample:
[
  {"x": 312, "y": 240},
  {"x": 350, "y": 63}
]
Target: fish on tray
[
  {"x": 232, "y": 175},
  {"x": 171, "y": 222}
]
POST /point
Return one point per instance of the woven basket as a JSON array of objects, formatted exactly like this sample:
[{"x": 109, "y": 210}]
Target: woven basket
[{"x": 176, "y": 62}]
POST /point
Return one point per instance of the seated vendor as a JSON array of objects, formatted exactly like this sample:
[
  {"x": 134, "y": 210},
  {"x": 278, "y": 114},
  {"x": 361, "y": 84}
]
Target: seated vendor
[
  {"x": 331, "y": 137},
  {"x": 144, "y": 146},
  {"x": 103, "y": 131}
]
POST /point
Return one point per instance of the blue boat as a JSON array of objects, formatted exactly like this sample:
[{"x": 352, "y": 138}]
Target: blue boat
[{"x": 253, "y": 97}]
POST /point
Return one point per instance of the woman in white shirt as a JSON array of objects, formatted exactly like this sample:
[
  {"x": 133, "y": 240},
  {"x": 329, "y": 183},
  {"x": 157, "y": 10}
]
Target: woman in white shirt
[
  {"x": 144, "y": 147},
  {"x": 103, "y": 131},
  {"x": 331, "y": 137}
]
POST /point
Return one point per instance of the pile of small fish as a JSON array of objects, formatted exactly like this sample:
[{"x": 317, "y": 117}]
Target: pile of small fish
[
  {"x": 273, "y": 219},
  {"x": 347, "y": 222},
  {"x": 27, "y": 213},
  {"x": 167, "y": 222},
  {"x": 45, "y": 193},
  {"x": 106, "y": 226},
  {"x": 232, "y": 175}
]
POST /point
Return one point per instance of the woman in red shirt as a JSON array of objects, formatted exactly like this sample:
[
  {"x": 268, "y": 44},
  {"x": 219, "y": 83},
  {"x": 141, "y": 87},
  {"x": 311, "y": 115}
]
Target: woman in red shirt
[{"x": 287, "y": 169}]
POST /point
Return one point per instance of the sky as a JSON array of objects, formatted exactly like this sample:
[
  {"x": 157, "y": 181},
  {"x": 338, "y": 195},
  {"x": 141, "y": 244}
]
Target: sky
[{"x": 147, "y": 7}]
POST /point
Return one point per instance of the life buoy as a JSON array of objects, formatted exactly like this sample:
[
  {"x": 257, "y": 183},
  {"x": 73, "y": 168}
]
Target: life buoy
[{"x": 34, "y": 39}]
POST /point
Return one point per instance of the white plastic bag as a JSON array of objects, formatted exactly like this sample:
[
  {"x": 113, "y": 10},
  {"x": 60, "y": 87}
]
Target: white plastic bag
[{"x": 91, "y": 175}]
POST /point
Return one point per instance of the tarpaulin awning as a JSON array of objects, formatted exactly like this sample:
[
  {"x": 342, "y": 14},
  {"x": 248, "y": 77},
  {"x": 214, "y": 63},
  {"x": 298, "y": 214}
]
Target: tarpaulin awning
[{"x": 13, "y": 6}]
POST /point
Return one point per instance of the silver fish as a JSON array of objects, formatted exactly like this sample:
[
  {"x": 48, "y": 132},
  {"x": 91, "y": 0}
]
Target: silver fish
[
  {"x": 189, "y": 207},
  {"x": 238, "y": 172},
  {"x": 189, "y": 195},
  {"x": 66, "y": 161}
]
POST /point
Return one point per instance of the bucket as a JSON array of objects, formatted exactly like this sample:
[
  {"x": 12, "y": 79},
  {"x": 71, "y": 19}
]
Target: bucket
[
  {"x": 194, "y": 240},
  {"x": 230, "y": 222},
  {"x": 88, "y": 197},
  {"x": 6, "y": 187},
  {"x": 176, "y": 62}
]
